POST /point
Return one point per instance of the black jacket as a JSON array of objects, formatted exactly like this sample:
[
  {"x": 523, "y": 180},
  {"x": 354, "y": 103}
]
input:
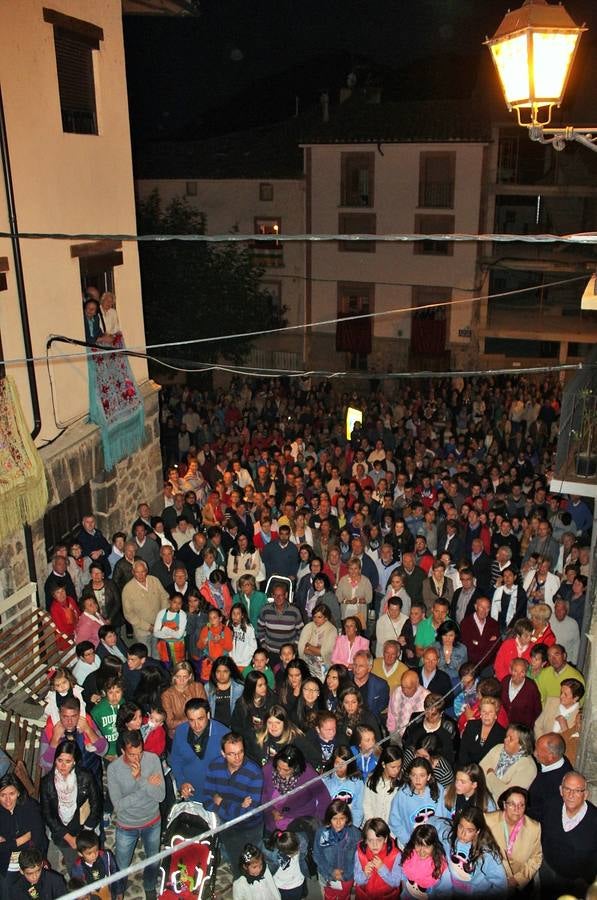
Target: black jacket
[
  {"x": 439, "y": 684},
  {"x": 113, "y": 604},
  {"x": 25, "y": 817},
  {"x": 471, "y": 750},
  {"x": 87, "y": 790},
  {"x": 447, "y": 734}
]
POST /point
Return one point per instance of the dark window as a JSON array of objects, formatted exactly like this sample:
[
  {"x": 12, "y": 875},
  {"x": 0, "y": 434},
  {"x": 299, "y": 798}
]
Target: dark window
[
  {"x": 355, "y": 336},
  {"x": 434, "y": 225},
  {"x": 429, "y": 324},
  {"x": 63, "y": 522},
  {"x": 436, "y": 180},
  {"x": 74, "y": 43},
  {"x": 3, "y": 269},
  {"x": 191, "y": 189},
  {"x": 268, "y": 253},
  {"x": 357, "y": 223},
  {"x": 357, "y": 179},
  {"x": 274, "y": 289},
  {"x": 266, "y": 191}
]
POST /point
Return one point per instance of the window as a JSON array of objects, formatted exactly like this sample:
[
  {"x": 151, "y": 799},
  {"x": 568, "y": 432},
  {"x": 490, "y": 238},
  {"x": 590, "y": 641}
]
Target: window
[
  {"x": 3, "y": 270},
  {"x": 429, "y": 325},
  {"x": 436, "y": 180},
  {"x": 97, "y": 261},
  {"x": 357, "y": 179},
  {"x": 274, "y": 289},
  {"x": 266, "y": 191},
  {"x": 357, "y": 223},
  {"x": 268, "y": 253},
  {"x": 355, "y": 337},
  {"x": 191, "y": 189},
  {"x": 74, "y": 43},
  {"x": 63, "y": 522},
  {"x": 434, "y": 225}
]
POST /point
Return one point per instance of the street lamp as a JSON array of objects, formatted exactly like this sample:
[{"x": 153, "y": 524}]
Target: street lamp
[{"x": 533, "y": 51}]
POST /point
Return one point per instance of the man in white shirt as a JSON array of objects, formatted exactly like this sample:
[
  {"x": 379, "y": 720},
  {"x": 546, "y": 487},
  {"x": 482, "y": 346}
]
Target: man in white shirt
[{"x": 565, "y": 629}]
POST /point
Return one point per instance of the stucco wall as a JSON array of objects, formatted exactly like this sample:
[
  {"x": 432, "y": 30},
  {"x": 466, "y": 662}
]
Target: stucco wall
[
  {"x": 64, "y": 183},
  {"x": 233, "y": 204}
]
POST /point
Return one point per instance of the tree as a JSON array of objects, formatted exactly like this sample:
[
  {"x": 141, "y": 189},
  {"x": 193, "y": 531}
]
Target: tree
[{"x": 192, "y": 289}]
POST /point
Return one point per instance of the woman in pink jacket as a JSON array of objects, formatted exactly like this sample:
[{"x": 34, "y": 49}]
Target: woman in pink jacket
[
  {"x": 349, "y": 643},
  {"x": 89, "y": 622}
]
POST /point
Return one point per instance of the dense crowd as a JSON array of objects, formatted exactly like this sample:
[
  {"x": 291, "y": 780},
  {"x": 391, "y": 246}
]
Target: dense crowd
[{"x": 376, "y": 635}]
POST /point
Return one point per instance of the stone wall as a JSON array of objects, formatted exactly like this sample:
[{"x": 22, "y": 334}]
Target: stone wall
[{"x": 76, "y": 459}]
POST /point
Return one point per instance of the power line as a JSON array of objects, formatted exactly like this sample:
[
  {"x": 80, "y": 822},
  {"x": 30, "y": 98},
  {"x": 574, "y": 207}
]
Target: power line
[
  {"x": 232, "y": 238},
  {"x": 285, "y": 328}
]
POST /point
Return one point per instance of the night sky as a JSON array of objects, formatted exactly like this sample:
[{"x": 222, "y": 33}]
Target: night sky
[{"x": 243, "y": 62}]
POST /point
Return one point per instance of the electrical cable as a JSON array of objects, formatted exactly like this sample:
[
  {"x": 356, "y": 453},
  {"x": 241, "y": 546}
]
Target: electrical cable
[
  {"x": 285, "y": 328},
  {"x": 234, "y": 823},
  {"x": 231, "y": 238}
]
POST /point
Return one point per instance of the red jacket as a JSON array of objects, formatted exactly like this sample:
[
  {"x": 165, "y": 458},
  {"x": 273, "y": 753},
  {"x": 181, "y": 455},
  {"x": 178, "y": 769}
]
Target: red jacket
[
  {"x": 526, "y": 706},
  {"x": 65, "y": 617},
  {"x": 478, "y": 644}
]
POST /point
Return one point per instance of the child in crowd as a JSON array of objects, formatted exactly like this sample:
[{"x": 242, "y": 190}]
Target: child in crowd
[
  {"x": 423, "y": 863},
  {"x": 197, "y": 610},
  {"x": 94, "y": 864},
  {"x": 286, "y": 854},
  {"x": 334, "y": 851},
  {"x": 344, "y": 782},
  {"x": 105, "y": 712},
  {"x": 35, "y": 881},
  {"x": 256, "y": 882},
  {"x": 215, "y": 640},
  {"x": 287, "y": 654},
  {"x": 153, "y": 731},
  {"x": 169, "y": 631},
  {"x": 366, "y": 751},
  {"x": 62, "y": 685},
  {"x": 468, "y": 692},
  {"x": 260, "y": 664}
]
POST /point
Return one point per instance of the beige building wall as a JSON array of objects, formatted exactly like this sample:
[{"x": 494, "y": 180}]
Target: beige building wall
[
  {"x": 394, "y": 267},
  {"x": 233, "y": 205},
  {"x": 64, "y": 183}
]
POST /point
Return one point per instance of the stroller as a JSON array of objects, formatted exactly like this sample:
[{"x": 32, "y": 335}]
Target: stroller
[{"x": 189, "y": 874}]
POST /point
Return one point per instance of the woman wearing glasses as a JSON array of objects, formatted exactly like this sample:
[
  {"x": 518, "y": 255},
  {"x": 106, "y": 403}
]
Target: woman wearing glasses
[{"x": 519, "y": 840}]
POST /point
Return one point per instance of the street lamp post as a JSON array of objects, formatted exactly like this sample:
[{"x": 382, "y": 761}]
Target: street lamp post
[{"x": 533, "y": 51}]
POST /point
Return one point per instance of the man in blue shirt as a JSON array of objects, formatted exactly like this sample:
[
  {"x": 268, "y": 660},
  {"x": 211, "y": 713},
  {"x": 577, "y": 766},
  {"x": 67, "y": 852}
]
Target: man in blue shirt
[
  {"x": 233, "y": 786},
  {"x": 196, "y": 743}
]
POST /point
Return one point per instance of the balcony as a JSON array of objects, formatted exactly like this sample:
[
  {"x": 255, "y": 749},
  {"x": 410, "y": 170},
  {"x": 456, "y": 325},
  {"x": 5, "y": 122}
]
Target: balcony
[{"x": 436, "y": 195}]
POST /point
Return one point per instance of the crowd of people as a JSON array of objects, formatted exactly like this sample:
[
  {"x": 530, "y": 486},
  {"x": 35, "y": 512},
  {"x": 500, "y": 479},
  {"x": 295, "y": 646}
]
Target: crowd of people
[{"x": 376, "y": 636}]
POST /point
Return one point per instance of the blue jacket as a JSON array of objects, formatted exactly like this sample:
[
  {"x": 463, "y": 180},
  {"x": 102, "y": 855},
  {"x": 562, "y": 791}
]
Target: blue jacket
[
  {"x": 236, "y": 691},
  {"x": 409, "y": 810},
  {"x": 375, "y": 694},
  {"x": 233, "y": 788},
  {"x": 187, "y": 765},
  {"x": 329, "y": 854},
  {"x": 487, "y": 879},
  {"x": 351, "y": 790}
]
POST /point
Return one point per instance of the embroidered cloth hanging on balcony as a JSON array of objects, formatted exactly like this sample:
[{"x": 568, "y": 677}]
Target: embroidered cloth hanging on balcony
[
  {"x": 115, "y": 404},
  {"x": 23, "y": 488}
]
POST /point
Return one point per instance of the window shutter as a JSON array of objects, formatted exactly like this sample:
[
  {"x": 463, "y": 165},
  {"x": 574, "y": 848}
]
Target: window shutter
[{"x": 75, "y": 81}]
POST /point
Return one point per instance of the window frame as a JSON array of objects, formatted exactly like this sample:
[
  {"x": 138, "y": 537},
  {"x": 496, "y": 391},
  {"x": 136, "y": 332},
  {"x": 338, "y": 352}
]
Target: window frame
[
  {"x": 423, "y": 226},
  {"x": 348, "y": 161},
  {"x": 368, "y": 226},
  {"x": 425, "y": 157}
]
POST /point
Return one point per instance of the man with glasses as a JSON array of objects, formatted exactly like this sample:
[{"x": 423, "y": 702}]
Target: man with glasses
[
  {"x": 233, "y": 786},
  {"x": 568, "y": 828}
]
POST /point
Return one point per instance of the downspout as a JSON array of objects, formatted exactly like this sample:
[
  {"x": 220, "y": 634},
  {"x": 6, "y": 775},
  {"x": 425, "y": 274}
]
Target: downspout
[{"x": 20, "y": 283}]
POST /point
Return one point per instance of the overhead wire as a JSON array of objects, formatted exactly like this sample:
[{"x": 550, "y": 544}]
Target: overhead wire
[{"x": 396, "y": 311}]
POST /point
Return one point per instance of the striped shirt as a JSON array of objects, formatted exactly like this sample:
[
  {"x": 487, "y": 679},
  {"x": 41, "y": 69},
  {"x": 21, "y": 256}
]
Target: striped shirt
[
  {"x": 275, "y": 628},
  {"x": 233, "y": 788}
]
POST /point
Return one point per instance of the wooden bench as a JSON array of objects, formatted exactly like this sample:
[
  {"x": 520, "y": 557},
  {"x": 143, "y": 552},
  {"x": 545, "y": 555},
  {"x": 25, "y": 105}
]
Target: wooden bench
[
  {"x": 29, "y": 647},
  {"x": 20, "y": 740}
]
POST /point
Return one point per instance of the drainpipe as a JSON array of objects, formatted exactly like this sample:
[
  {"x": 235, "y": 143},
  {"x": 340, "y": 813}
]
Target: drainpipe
[{"x": 22, "y": 296}]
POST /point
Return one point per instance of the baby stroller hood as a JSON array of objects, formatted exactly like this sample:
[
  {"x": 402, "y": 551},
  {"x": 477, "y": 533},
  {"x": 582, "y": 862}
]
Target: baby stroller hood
[{"x": 188, "y": 873}]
